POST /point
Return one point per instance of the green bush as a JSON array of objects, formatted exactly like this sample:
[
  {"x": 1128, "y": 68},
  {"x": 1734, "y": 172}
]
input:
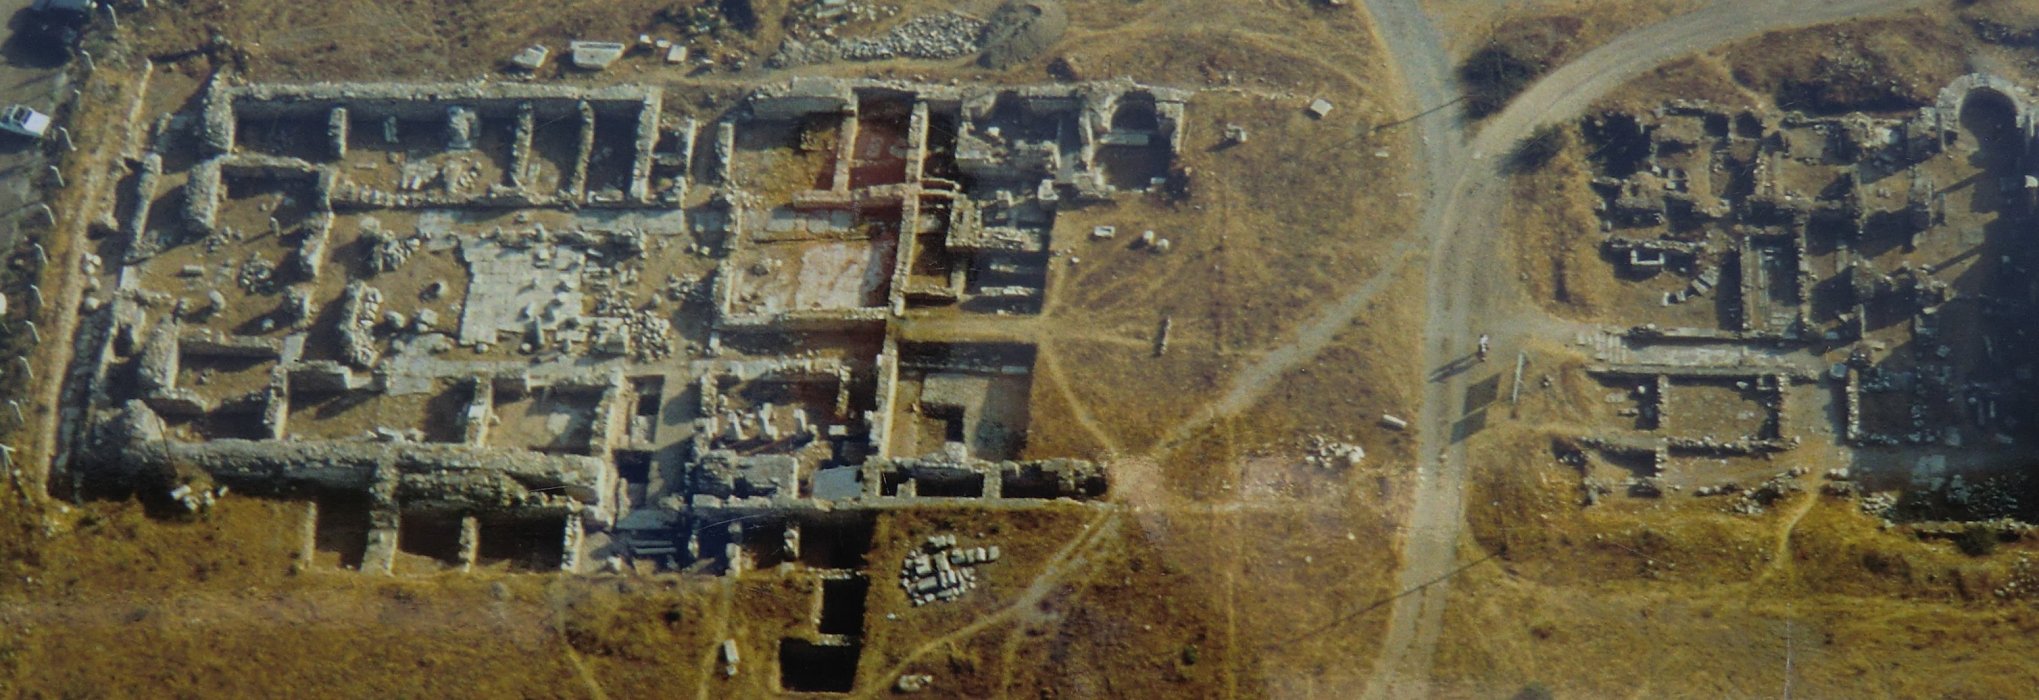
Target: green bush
[
  {"x": 1537, "y": 151},
  {"x": 1977, "y": 541},
  {"x": 1493, "y": 76},
  {"x": 1513, "y": 58}
]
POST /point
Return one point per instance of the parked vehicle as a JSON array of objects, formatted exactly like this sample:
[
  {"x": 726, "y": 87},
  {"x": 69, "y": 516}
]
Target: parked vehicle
[{"x": 24, "y": 121}]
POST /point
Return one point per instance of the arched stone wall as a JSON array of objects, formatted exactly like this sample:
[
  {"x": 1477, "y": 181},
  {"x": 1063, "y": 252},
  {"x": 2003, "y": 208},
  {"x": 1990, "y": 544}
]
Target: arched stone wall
[{"x": 1955, "y": 96}]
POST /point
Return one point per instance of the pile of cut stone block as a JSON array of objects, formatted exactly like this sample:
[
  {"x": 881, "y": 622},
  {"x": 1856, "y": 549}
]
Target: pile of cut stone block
[{"x": 940, "y": 570}]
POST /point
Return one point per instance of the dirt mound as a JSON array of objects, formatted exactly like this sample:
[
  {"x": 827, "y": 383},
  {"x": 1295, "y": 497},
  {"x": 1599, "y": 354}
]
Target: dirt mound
[{"x": 1021, "y": 30}]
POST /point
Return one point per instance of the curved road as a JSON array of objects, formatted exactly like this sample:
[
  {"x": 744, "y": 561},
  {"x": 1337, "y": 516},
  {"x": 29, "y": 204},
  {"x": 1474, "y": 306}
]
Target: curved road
[{"x": 1465, "y": 246}]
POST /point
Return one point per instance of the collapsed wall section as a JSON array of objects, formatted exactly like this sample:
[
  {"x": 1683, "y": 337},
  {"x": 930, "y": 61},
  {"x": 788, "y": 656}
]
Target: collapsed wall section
[{"x": 427, "y": 475}]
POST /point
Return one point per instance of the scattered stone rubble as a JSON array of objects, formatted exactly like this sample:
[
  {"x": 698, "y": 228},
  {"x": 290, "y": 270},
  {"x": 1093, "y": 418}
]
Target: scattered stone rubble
[
  {"x": 643, "y": 334},
  {"x": 938, "y": 36},
  {"x": 1325, "y": 453},
  {"x": 1755, "y": 500},
  {"x": 1881, "y": 505},
  {"x": 257, "y": 276},
  {"x": 2022, "y": 582},
  {"x": 196, "y": 500},
  {"x": 360, "y": 310},
  {"x": 940, "y": 570}
]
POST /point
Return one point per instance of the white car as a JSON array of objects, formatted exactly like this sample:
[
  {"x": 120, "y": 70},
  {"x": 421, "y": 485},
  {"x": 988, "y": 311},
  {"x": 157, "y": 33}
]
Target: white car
[{"x": 24, "y": 121}]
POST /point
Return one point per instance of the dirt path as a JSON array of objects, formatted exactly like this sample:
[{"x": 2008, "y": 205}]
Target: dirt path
[
  {"x": 1051, "y": 370},
  {"x": 1781, "y": 561},
  {"x": 1463, "y": 299},
  {"x": 105, "y": 124},
  {"x": 1428, "y": 538},
  {"x": 1566, "y": 92},
  {"x": 1065, "y": 561},
  {"x": 1419, "y": 55}
]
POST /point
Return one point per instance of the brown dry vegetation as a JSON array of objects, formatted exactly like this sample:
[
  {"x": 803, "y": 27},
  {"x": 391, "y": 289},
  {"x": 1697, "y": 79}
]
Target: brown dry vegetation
[
  {"x": 211, "y": 608},
  {"x": 1273, "y": 230},
  {"x": 1512, "y": 59},
  {"x": 1124, "y": 628},
  {"x": 1470, "y": 24},
  {"x": 1703, "y": 642},
  {"x": 400, "y": 39},
  {"x": 1365, "y": 372},
  {"x": 2005, "y": 22},
  {"x": 1132, "y": 396},
  {"x": 1506, "y": 47},
  {"x": 1676, "y": 598},
  {"x": 1276, "y": 228},
  {"x": 1705, "y": 77},
  {"x": 1879, "y": 65},
  {"x": 1557, "y": 237},
  {"x": 1171, "y": 601},
  {"x": 1184, "y": 604}
]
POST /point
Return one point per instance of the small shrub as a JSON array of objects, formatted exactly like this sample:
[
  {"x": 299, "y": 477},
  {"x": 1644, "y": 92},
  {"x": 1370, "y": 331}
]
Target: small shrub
[
  {"x": 1493, "y": 76},
  {"x": 1513, "y": 58},
  {"x": 1537, "y": 151},
  {"x": 1977, "y": 541}
]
